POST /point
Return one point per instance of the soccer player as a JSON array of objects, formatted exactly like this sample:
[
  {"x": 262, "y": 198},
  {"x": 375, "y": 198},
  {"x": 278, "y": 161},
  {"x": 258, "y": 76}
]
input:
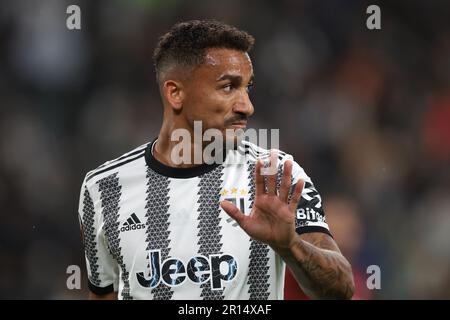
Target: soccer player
[{"x": 154, "y": 228}]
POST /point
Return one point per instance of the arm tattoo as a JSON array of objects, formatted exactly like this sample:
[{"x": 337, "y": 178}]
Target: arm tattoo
[{"x": 320, "y": 268}]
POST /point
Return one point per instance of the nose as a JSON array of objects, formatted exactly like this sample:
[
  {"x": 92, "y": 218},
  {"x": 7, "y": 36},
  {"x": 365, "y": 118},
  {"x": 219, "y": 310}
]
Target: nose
[{"x": 243, "y": 104}]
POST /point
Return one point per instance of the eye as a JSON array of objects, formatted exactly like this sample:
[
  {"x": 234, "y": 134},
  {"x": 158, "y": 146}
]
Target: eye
[
  {"x": 249, "y": 87},
  {"x": 227, "y": 87}
]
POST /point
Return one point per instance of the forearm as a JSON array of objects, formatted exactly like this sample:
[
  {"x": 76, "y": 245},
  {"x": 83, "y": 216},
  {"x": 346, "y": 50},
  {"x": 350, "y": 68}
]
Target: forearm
[{"x": 322, "y": 273}]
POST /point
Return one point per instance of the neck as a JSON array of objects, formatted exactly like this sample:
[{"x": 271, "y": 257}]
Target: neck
[{"x": 185, "y": 152}]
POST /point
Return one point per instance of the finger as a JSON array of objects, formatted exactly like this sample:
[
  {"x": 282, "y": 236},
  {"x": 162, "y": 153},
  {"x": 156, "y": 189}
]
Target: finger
[
  {"x": 234, "y": 212},
  {"x": 272, "y": 174},
  {"x": 259, "y": 179},
  {"x": 286, "y": 181},
  {"x": 296, "y": 196}
]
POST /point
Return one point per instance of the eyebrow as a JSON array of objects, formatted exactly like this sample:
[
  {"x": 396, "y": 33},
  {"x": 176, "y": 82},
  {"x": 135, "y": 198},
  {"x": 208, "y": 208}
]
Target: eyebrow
[{"x": 234, "y": 78}]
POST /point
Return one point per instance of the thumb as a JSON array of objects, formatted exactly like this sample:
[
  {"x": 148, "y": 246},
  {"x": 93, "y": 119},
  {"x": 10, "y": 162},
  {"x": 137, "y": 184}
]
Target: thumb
[{"x": 233, "y": 211}]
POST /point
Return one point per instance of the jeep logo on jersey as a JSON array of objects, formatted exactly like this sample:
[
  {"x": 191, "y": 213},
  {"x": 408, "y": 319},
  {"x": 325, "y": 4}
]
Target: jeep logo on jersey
[
  {"x": 199, "y": 269},
  {"x": 132, "y": 223}
]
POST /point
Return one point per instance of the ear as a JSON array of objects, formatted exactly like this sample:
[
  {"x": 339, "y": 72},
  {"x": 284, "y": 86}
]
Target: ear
[{"x": 174, "y": 93}]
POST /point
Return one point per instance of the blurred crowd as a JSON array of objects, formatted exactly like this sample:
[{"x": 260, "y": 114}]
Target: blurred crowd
[{"x": 365, "y": 112}]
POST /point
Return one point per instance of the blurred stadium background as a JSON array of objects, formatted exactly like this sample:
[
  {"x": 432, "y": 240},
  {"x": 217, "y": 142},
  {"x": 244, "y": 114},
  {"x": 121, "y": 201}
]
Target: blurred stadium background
[{"x": 366, "y": 113}]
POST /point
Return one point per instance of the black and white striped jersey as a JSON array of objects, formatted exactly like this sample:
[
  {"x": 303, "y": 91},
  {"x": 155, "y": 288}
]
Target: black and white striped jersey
[{"x": 157, "y": 232}]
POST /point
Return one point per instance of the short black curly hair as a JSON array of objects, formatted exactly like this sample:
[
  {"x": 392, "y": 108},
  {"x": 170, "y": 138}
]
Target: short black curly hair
[{"x": 186, "y": 43}]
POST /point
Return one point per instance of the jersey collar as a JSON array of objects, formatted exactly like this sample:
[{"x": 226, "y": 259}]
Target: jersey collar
[{"x": 172, "y": 172}]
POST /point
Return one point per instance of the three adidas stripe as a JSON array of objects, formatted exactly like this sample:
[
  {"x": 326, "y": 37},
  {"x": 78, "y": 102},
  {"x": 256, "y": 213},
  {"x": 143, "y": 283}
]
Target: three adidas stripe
[{"x": 132, "y": 223}]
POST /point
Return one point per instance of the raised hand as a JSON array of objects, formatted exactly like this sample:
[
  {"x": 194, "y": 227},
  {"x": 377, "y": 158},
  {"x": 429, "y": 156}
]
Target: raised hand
[{"x": 272, "y": 218}]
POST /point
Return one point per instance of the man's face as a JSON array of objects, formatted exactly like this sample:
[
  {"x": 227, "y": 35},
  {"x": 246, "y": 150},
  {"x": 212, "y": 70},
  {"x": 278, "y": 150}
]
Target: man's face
[{"x": 217, "y": 91}]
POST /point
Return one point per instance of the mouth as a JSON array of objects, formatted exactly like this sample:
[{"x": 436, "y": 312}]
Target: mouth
[{"x": 239, "y": 125}]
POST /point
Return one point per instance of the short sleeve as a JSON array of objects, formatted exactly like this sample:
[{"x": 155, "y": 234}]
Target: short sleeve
[
  {"x": 102, "y": 268},
  {"x": 310, "y": 216}
]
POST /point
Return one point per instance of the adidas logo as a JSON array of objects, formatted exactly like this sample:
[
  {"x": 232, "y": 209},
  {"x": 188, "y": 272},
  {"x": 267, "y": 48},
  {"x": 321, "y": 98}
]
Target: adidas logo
[{"x": 132, "y": 223}]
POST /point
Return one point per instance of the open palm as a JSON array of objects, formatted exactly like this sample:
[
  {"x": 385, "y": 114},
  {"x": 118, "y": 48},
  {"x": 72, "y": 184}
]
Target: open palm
[{"x": 272, "y": 218}]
